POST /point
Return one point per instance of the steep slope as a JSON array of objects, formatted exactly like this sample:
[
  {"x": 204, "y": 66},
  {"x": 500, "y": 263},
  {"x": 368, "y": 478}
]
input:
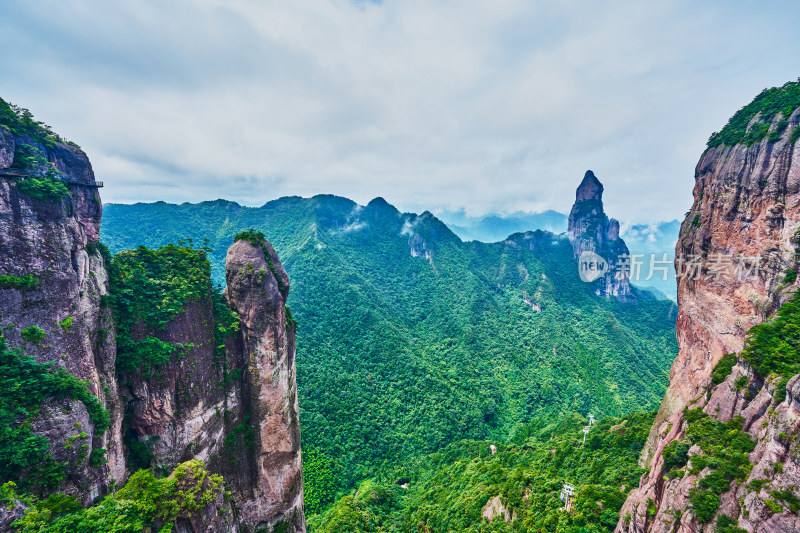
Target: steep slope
[
  {"x": 112, "y": 365},
  {"x": 737, "y": 254},
  {"x": 256, "y": 292},
  {"x": 592, "y": 232},
  {"x": 208, "y": 381},
  {"x": 410, "y": 339},
  {"x": 483, "y": 486},
  {"x": 52, "y": 283}
]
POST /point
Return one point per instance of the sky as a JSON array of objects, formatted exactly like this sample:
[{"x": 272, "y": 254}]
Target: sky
[{"x": 493, "y": 106}]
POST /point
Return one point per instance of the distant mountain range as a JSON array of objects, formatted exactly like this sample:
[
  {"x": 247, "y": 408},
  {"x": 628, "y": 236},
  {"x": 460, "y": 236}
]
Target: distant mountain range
[
  {"x": 496, "y": 227},
  {"x": 646, "y": 240},
  {"x": 410, "y": 338}
]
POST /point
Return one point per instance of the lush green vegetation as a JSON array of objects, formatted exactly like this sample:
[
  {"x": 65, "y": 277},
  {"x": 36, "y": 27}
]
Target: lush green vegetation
[
  {"x": 774, "y": 346},
  {"x": 256, "y": 238},
  {"x": 145, "y": 503},
  {"x": 33, "y": 334},
  {"x": 151, "y": 287},
  {"x": 399, "y": 356},
  {"x": 726, "y": 524},
  {"x": 20, "y": 121},
  {"x": 24, "y": 283},
  {"x": 95, "y": 248},
  {"x": 723, "y": 368},
  {"x": 448, "y": 490},
  {"x": 33, "y": 139},
  {"x": 725, "y": 453},
  {"x": 319, "y": 481},
  {"x": 24, "y": 385},
  {"x": 43, "y": 188},
  {"x": 769, "y": 104},
  {"x": 771, "y": 348}
]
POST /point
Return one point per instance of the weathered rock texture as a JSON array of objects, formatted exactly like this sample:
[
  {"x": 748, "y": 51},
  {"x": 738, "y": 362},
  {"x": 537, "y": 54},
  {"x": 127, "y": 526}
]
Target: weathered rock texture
[
  {"x": 257, "y": 291},
  {"x": 237, "y": 412},
  {"x": 7, "y": 145},
  {"x": 590, "y": 230},
  {"x": 53, "y": 241},
  {"x": 747, "y": 203},
  {"x": 179, "y": 410}
]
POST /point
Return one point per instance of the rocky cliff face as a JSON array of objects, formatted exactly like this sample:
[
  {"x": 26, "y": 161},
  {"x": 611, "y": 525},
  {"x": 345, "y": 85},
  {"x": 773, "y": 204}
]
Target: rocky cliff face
[
  {"x": 236, "y": 410},
  {"x": 228, "y": 404},
  {"x": 176, "y": 409},
  {"x": 735, "y": 259},
  {"x": 54, "y": 241},
  {"x": 590, "y": 230},
  {"x": 257, "y": 290}
]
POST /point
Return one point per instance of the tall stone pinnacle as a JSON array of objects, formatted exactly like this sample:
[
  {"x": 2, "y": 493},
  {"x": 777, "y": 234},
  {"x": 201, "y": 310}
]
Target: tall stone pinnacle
[
  {"x": 590, "y": 188},
  {"x": 590, "y": 230}
]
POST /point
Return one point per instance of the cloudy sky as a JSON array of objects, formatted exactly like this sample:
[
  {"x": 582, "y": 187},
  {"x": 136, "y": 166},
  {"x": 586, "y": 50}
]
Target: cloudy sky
[{"x": 489, "y": 106}]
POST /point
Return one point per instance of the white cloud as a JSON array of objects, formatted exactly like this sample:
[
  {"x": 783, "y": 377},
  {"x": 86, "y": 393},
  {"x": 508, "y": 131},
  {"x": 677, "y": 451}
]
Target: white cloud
[{"x": 489, "y": 106}]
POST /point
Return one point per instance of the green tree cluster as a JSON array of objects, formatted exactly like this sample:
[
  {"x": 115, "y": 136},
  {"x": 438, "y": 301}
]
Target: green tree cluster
[
  {"x": 767, "y": 105},
  {"x": 145, "y": 503},
  {"x": 448, "y": 490},
  {"x": 151, "y": 287},
  {"x": 24, "y": 384}
]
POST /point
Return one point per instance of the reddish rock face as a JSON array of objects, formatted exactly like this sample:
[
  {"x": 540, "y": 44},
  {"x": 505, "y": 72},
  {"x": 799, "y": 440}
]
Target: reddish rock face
[
  {"x": 744, "y": 218},
  {"x": 237, "y": 412},
  {"x": 191, "y": 409}
]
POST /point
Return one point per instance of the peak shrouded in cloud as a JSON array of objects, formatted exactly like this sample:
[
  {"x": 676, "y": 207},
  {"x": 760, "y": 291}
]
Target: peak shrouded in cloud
[{"x": 447, "y": 105}]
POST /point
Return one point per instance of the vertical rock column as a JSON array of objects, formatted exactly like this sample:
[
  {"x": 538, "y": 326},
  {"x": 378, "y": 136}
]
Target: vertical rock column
[
  {"x": 257, "y": 291},
  {"x": 590, "y": 230}
]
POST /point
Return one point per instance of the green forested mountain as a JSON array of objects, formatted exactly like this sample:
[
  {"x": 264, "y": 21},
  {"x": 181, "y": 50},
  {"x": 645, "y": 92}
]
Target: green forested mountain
[
  {"x": 477, "y": 486},
  {"x": 410, "y": 339}
]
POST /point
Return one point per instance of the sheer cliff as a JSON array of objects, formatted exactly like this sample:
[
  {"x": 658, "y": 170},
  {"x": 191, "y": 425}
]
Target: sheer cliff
[
  {"x": 592, "y": 232},
  {"x": 134, "y": 371},
  {"x": 51, "y": 288},
  {"x": 737, "y": 265}
]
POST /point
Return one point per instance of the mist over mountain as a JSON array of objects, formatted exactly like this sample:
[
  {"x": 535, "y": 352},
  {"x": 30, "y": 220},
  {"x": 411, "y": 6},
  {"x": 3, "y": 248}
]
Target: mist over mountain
[
  {"x": 495, "y": 227},
  {"x": 409, "y": 338},
  {"x": 646, "y": 241}
]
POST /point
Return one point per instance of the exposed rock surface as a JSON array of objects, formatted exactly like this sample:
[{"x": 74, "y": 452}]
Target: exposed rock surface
[
  {"x": 240, "y": 417},
  {"x": 590, "y": 230},
  {"x": 53, "y": 241},
  {"x": 747, "y": 204},
  {"x": 495, "y": 508},
  {"x": 422, "y": 231},
  {"x": 257, "y": 290},
  {"x": 237, "y": 412},
  {"x": 177, "y": 410},
  {"x": 7, "y": 145}
]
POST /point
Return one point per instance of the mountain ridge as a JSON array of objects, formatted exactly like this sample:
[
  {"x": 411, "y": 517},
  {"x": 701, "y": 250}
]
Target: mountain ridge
[{"x": 412, "y": 325}]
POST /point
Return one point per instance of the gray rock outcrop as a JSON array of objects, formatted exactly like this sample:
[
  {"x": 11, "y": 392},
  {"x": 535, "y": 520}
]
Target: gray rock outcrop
[{"x": 590, "y": 230}]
